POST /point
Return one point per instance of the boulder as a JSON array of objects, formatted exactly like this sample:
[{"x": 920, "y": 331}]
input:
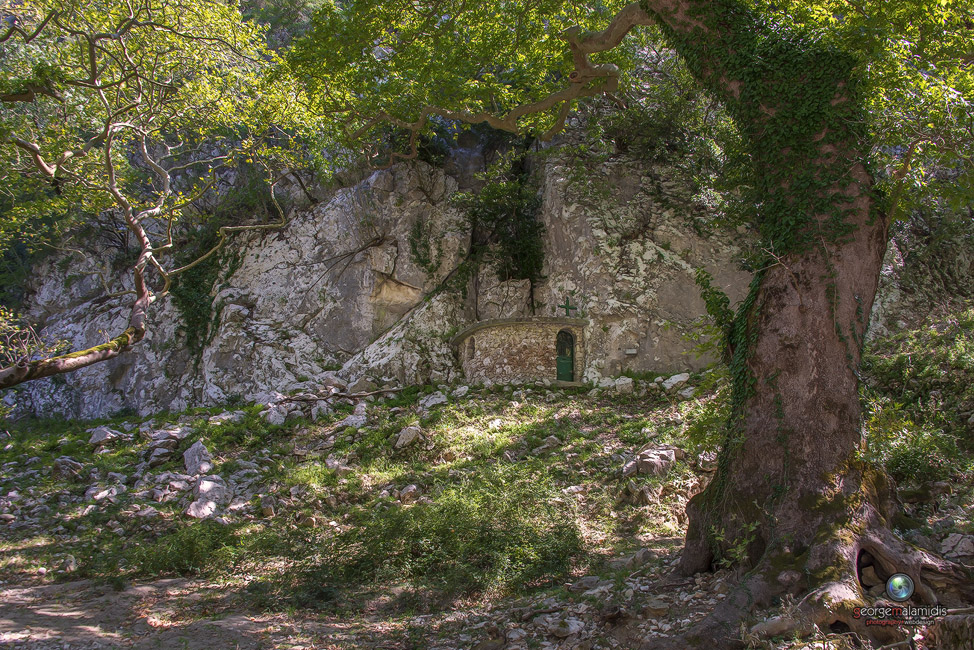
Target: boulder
[
  {"x": 675, "y": 381},
  {"x": 957, "y": 546},
  {"x": 197, "y": 459},
  {"x": 276, "y": 415},
  {"x": 434, "y": 399},
  {"x": 409, "y": 493},
  {"x": 565, "y": 627},
  {"x": 655, "y": 461},
  {"x": 624, "y": 385},
  {"x": 66, "y": 467},
  {"x": 408, "y": 436},
  {"x": 101, "y": 436}
]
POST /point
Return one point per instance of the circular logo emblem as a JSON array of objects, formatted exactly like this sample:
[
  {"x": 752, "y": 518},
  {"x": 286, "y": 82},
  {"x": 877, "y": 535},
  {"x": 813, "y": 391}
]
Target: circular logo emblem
[{"x": 899, "y": 587}]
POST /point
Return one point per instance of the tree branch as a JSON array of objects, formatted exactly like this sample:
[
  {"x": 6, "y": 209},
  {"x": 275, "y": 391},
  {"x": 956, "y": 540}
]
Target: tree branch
[{"x": 29, "y": 370}]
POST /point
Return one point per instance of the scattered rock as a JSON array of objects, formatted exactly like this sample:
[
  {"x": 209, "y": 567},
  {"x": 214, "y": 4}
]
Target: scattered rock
[
  {"x": 460, "y": 392},
  {"x": 66, "y": 467},
  {"x": 675, "y": 381},
  {"x": 221, "y": 418},
  {"x": 275, "y": 415},
  {"x": 408, "y": 436},
  {"x": 707, "y": 461},
  {"x": 624, "y": 385},
  {"x": 197, "y": 459},
  {"x": 958, "y": 546},
  {"x": 101, "y": 436},
  {"x": 409, "y": 493},
  {"x": 158, "y": 456},
  {"x": 687, "y": 393},
  {"x": 565, "y": 627},
  {"x": 656, "y": 461},
  {"x": 432, "y": 400}
]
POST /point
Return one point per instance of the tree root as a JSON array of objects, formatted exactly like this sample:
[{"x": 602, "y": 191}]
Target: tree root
[
  {"x": 834, "y": 603},
  {"x": 837, "y": 603}
]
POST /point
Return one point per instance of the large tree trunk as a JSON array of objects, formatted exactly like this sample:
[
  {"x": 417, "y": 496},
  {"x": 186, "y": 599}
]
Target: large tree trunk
[
  {"x": 791, "y": 499},
  {"x": 789, "y": 462}
]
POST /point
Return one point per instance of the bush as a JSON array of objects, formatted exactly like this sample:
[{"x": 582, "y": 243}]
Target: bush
[
  {"x": 193, "y": 549},
  {"x": 499, "y": 531}
]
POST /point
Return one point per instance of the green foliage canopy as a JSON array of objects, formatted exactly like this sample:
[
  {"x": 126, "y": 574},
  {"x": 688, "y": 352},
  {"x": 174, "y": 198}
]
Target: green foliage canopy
[
  {"x": 127, "y": 110},
  {"x": 367, "y": 63}
]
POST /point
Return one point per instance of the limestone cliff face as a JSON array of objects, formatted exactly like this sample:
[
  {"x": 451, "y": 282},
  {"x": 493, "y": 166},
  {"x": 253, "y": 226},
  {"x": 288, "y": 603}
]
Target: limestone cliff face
[{"x": 341, "y": 287}]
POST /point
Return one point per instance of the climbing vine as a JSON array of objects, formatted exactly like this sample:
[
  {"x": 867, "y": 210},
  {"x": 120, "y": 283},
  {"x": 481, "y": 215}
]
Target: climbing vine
[
  {"x": 504, "y": 221},
  {"x": 796, "y": 99}
]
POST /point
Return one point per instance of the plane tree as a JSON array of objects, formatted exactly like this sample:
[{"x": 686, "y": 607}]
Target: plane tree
[
  {"x": 124, "y": 112},
  {"x": 841, "y": 107}
]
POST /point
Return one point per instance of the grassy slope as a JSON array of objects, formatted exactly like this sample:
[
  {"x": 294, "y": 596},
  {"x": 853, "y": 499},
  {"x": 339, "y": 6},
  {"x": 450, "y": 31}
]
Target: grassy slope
[{"x": 495, "y": 516}]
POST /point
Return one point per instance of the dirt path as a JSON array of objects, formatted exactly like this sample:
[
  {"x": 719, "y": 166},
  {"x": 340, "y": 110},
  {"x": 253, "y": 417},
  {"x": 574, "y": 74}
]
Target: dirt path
[{"x": 160, "y": 614}]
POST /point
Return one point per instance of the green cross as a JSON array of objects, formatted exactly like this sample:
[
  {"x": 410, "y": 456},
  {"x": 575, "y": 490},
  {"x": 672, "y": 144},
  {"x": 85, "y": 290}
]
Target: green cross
[{"x": 567, "y": 306}]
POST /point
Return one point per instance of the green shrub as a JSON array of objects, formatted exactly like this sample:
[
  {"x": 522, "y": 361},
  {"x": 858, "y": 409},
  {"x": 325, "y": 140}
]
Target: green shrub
[
  {"x": 498, "y": 531},
  {"x": 918, "y": 396},
  {"x": 197, "y": 548},
  {"x": 910, "y": 452}
]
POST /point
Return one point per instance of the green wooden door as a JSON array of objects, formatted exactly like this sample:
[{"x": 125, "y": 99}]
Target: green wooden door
[{"x": 565, "y": 359}]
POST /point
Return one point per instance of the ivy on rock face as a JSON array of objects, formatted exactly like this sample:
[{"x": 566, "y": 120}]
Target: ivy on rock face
[
  {"x": 796, "y": 99},
  {"x": 504, "y": 220}
]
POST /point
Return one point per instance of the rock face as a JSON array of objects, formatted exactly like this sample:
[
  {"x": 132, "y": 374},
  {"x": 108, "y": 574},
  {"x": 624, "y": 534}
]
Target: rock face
[{"x": 342, "y": 286}]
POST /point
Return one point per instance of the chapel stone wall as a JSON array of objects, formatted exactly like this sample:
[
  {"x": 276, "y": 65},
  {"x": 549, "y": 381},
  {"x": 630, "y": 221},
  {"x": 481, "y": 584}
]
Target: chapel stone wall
[{"x": 517, "y": 350}]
